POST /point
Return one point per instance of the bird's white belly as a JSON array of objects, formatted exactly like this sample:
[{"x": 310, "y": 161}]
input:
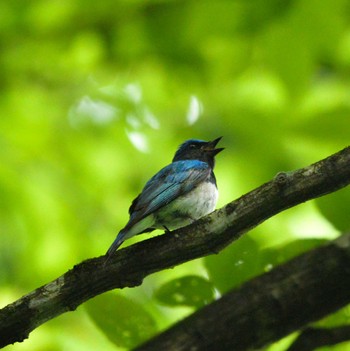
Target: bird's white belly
[{"x": 188, "y": 208}]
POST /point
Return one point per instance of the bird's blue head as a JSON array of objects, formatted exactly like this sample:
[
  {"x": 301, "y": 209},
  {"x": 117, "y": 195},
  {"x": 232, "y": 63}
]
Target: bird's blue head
[{"x": 194, "y": 149}]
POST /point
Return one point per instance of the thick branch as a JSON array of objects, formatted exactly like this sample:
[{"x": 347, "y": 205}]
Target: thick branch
[
  {"x": 313, "y": 338},
  {"x": 268, "y": 307},
  {"x": 209, "y": 235}
]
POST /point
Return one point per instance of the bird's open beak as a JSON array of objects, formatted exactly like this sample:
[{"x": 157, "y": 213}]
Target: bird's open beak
[{"x": 211, "y": 146}]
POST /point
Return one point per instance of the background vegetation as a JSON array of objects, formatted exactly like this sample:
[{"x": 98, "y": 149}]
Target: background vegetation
[{"x": 95, "y": 98}]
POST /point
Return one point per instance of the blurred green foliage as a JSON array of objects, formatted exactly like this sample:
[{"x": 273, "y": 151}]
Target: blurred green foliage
[
  {"x": 132, "y": 325},
  {"x": 190, "y": 290},
  {"x": 95, "y": 98}
]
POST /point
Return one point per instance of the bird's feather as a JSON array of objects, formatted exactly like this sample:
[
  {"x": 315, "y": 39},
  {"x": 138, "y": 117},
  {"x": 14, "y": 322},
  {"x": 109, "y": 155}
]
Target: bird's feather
[
  {"x": 177, "y": 195},
  {"x": 172, "y": 181}
]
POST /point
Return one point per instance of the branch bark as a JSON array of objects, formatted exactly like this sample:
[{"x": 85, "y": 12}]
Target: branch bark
[
  {"x": 314, "y": 338},
  {"x": 269, "y": 307},
  {"x": 209, "y": 235}
]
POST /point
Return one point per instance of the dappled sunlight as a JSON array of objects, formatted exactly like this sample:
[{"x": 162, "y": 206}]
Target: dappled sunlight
[
  {"x": 139, "y": 141},
  {"x": 88, "y": 110},
  {"x": 195, "y": 109},
  {"x": 119, "y": 105},
  {"x": 133, "y": 92},
  {"x": 150, "y": 119}
]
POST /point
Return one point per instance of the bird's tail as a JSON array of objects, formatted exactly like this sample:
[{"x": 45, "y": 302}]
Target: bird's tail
[{"x": 116, "y": 243}]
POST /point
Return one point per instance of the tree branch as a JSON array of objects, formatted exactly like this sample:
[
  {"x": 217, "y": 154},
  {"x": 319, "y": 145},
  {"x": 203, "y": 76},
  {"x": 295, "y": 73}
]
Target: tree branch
[
  {"x": 209, "y": 235},
  {"x": 268, "y": 307},
  {"x": 313, "y": 338}
]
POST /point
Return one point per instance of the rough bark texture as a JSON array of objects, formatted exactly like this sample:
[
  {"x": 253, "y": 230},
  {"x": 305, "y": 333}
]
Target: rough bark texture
[
  {"x": 314, "y": 338},
  {"x": 209, "y": 235}
]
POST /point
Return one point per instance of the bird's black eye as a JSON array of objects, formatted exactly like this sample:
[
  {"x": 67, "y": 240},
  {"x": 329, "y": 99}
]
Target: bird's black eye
[{"x": 192, "y": 146}]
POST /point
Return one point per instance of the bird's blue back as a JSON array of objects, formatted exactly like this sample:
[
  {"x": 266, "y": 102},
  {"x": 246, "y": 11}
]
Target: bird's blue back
[{"x": 172, "y": 181}]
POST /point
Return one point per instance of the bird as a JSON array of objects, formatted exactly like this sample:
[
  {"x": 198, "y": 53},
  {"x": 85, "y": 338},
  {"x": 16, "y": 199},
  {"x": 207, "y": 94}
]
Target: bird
[{"x": 179, "y": 194}]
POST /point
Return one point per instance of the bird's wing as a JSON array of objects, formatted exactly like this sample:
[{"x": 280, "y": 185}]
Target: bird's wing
[{"x": 172, "y": 181}]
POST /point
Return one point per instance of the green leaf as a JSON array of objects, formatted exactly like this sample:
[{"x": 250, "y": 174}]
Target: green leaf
[
  {"x": 234, "y": 265},
  {"x": 125, "y": 322},
  {"x": 244, "y": 260},
  {"x": 192, "y": 290},
  {"x": 337, "y": 319},
  {"x": 275, "y": 256}
]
